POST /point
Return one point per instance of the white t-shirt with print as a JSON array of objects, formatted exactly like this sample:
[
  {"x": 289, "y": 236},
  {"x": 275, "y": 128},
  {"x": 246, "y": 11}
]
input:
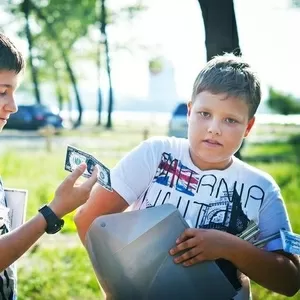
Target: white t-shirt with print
[{"x": 160, "y": 171}]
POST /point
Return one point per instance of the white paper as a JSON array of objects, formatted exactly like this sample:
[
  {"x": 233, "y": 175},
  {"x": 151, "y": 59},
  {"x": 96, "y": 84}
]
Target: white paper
[
  {"x": 16, "y": 200},
  {"x": 4, "y": 215}
]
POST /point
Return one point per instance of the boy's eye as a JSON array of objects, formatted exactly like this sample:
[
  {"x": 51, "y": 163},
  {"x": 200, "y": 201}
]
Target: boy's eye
[
  {"x": 231, "y": 121},
  {"x": 204, "y": 114},
  {"x": 3, "y": 93}
]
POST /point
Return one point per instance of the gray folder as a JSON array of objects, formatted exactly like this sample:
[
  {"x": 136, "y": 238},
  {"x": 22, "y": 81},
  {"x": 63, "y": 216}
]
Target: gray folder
[{"x": 129, "y": 253}]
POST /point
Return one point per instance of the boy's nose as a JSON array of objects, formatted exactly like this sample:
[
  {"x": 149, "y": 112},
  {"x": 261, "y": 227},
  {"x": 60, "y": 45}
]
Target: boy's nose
[
  {"x": 214, "y": 128},
  {"x": 11, "y": 106}
]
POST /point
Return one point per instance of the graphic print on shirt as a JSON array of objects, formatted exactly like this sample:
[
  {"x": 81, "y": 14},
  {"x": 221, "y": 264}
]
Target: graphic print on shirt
[{"x": 218, "y": 204}]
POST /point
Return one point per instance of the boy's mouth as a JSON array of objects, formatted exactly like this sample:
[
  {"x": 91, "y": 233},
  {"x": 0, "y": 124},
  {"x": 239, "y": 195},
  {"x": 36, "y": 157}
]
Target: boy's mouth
[
  {"x": 3, "y": 120},
  {"x": 212, "y": 142}
]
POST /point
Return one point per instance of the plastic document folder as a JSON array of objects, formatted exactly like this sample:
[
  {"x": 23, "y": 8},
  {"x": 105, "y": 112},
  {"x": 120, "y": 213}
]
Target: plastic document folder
[{"x": 129, "y": 253}]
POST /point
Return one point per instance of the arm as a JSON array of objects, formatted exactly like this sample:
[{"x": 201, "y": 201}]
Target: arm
[
  {"x": 130, "y": 178},
  {"x": 67, "y": 197},
  {"x": 272, "y": 268},
  {"x": 276, "y": 271},
  {"x": 101, "y": 202}
]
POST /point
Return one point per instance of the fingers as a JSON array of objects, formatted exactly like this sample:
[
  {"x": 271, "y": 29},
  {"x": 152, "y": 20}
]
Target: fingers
[
  {"x": 188, "y": 233},
  {"x": 188, "y": 256},
  {"x": 88, "y": 184},
  {"x": 194, "y": 260},
  {"x": 76, "y": 174},
  {"x": 188, "y": 244}
]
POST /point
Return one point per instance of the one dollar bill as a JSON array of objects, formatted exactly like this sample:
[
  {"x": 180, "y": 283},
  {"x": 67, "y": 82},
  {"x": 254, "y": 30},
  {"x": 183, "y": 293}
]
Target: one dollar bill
[{"x": 75, "y": 156}]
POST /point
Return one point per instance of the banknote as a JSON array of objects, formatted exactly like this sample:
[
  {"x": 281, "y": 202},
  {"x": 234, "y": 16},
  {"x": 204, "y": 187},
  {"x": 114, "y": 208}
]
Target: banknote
[
  {"x": 75, "y": 156},
  {"x": 290, "y": 241}
]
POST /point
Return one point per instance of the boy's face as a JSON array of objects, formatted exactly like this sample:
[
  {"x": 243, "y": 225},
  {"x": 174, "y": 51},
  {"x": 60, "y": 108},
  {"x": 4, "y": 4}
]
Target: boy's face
[
  {"x": 216, "y": 128},
  {"x": 8, "y": 85}
]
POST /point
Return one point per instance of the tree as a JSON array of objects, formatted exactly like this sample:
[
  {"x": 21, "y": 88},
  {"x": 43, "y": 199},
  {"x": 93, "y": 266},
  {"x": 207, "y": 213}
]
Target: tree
[
  {"x": 60, "y": 27},
  {"x": 221, "y": 34},
  {"x": 26, "y": 8},
  {"x": 107, "y": 58},
  {"x": 282, "y": 103},
  {"x": 61, "y": 24},
  {"x": 65, "y": 36}
]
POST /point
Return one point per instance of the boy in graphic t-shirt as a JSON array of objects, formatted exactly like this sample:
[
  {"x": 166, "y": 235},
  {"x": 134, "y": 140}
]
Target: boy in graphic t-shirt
[{"x": 217, "y": 193}]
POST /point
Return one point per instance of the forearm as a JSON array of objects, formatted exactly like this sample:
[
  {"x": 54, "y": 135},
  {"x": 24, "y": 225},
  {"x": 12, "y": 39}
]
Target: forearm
[
  {"x": 15, "y": 243},
  {"x": 100, "y": 203},
  {"x": 269, "y": 269}
]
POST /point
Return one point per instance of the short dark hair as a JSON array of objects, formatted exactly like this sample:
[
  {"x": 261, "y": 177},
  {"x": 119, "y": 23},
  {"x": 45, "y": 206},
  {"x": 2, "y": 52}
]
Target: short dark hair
[
  {"x": 231, "y": 75},
  {"x": 11, "y": 58}
]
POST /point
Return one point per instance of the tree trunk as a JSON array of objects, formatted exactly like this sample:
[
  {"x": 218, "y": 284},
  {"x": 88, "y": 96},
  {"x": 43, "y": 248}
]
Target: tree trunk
[
  {"x": 99, "y": 78},
  {"x": 107, "y": 56},
  {"x": 221, "y": 33},
  {"x": 110, "y": 92},
  {"x": 78, "y": 122},
  {"x": 69, "y": 69},
  {"x": 59, "y": 95},
  {"x": 26, "y": 10}
]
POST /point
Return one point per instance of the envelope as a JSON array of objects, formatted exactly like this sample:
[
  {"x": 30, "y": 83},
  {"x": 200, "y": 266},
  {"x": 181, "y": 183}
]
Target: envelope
[{"x": 129, "y": 253}]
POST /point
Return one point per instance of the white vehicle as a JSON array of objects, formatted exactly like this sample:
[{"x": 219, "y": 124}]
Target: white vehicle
[{"x": 178, "y": 123}]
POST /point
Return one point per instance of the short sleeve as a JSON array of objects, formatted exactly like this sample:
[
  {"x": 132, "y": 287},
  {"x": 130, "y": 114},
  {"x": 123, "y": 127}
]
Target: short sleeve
[
  {"x": 135, "y": 171},
  {"x": 273, "y": 217}
]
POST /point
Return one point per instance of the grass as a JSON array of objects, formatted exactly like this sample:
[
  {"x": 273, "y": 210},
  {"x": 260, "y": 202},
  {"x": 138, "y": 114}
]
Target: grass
[
  {"x": 64, "y": 274},
  {"x": 61, "y": 272},
  {"x": 267, "y": 149}
]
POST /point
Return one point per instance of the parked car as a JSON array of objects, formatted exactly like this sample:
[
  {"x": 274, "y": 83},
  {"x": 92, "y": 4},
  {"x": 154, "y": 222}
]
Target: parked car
[
  {"x": 34, "y": 117},
  {"x": 178, "y": 124}
]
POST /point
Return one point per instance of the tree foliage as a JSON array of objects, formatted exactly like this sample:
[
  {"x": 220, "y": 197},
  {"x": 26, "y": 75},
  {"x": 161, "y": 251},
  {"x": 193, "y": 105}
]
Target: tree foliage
[
  {"x": 283, "y": 103},
  {"x": 60, "y": 34}
]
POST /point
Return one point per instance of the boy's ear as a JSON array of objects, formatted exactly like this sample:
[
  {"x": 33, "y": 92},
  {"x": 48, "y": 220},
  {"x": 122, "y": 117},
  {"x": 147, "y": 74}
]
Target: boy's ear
[
  {"x": 189, "y": 108},
  {"x": 249, "y": 126}
]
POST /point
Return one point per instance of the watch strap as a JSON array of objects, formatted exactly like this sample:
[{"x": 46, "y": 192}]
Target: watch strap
[{"x": 54, "y": 224}]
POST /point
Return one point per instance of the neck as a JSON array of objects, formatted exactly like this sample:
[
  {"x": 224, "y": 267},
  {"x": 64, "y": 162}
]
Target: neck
[{"x": 204, "y": 165}]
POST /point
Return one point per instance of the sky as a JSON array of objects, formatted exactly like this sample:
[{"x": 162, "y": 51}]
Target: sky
[
  {"x": 174, "y": 29},
  {"x": 267, "y": 29}
]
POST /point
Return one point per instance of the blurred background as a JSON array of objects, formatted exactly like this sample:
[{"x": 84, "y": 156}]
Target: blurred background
[{"x": 103, "y": 75}]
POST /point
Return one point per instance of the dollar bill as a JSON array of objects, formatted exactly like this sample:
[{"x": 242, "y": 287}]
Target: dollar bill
[
  {"x": 75, "y": 156},
  {"x": 290, "y": 241}
]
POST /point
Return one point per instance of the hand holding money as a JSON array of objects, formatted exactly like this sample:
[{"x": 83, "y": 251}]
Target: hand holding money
[
  {"x": 290, "y": 240},
  {"x": 75, "y": 157},
  {"x": 70, "y": 196}
]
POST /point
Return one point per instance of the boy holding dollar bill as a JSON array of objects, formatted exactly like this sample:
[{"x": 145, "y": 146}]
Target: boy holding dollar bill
[
  {"x": 67, "y": 196},
  {"x": 214, "y": 191}
]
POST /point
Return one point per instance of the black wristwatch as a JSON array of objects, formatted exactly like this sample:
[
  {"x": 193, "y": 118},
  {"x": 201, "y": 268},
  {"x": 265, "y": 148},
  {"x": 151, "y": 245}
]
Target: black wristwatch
[{"x": 54, "y": 224}]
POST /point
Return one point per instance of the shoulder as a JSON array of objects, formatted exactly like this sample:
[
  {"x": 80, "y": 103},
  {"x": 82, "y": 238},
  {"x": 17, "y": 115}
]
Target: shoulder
[
  {"x": 166, "y": 144},
  {"x": 254, "y": 174}
]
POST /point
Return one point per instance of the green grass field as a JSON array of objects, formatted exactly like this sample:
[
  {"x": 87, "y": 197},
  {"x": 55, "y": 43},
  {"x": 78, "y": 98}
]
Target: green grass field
[{"x": 62, "y": 272}]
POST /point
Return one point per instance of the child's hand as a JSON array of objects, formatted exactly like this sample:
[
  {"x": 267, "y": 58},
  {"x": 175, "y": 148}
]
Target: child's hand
[
  {"x": 70, "y": 195},
  {"x": 200, "y": 245}
]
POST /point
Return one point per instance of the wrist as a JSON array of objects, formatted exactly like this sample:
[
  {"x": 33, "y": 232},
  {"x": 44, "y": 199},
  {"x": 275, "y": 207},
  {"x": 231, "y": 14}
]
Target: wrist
[
  {"x": 57, "y": 209},
  {"x": 54, "y": 223},
  {"x": 235, "y": 245}
]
